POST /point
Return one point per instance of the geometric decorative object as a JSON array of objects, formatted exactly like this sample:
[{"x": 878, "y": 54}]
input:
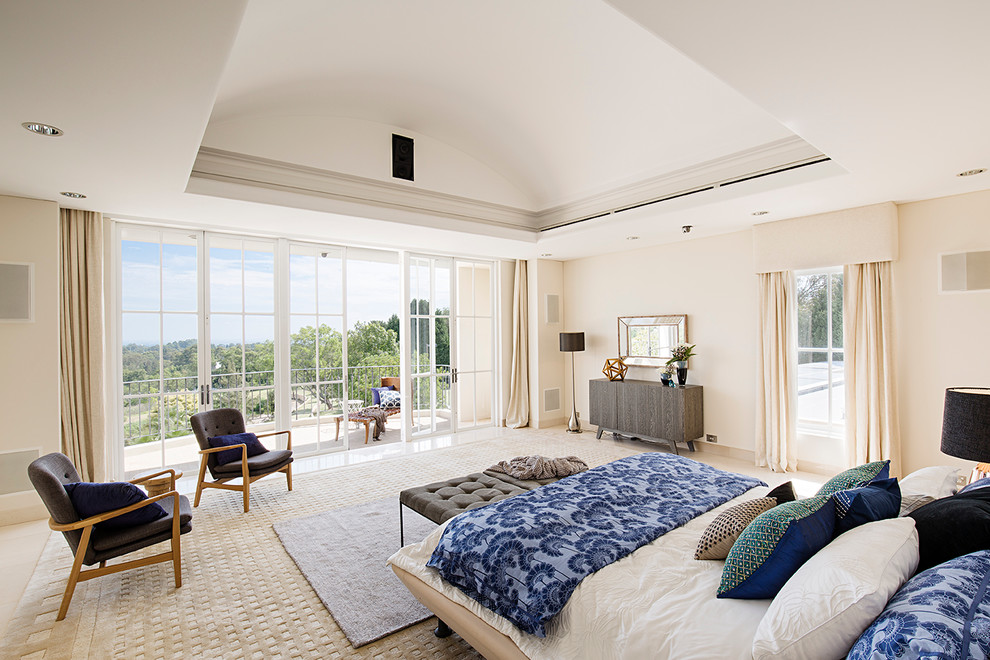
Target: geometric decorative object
[
  {"x": 572, "y": 342},
  {"x": 615, "y": 369}
]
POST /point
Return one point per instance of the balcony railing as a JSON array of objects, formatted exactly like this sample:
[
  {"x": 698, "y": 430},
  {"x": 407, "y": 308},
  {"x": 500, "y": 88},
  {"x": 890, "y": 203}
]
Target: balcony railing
[{"x": 161, "y": 408}]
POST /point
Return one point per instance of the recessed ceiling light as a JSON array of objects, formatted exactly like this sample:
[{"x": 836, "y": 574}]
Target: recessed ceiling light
[
  {"x": 43, "y": 129},
  {"x": 759, "y": 212},
  {"x": 632, "y": 238},
  {"x": 73, "y": 195},
  {"x": 972, "y": 172}
]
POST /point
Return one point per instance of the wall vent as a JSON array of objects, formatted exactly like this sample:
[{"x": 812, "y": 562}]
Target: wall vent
[
  {"x": 13, "y": 470},
  {"x": 551, "y": 399}
]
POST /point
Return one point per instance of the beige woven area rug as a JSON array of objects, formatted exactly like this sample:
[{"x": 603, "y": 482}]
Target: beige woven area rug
[{"x": 242, "y": 596}]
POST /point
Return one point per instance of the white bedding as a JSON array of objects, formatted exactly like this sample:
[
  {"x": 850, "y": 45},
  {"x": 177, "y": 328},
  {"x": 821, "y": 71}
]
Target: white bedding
[{"x": 659, "y": 602}]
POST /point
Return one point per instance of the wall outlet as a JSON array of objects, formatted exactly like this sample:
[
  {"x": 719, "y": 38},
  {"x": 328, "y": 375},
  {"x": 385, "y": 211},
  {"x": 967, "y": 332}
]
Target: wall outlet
[{"x": 711, "y": 437}]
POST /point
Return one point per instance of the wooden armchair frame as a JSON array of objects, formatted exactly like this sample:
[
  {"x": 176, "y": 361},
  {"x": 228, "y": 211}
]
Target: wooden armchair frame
[
  {"x": 245, "y": 476},
  {"x": 86, "y": 525}
]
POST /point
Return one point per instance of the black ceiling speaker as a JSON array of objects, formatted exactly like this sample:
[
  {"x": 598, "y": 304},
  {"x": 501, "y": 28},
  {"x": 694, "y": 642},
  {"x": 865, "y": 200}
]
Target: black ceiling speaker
[{"x": 402, "y": 157}]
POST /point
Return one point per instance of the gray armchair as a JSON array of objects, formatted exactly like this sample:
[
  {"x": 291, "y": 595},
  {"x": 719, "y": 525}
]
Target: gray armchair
[
  {"x": 92, "y": 544},
  {"x": 228, "y": 421}
]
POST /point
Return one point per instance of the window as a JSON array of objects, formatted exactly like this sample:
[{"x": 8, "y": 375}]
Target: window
[{"x": 821, "y": 387}]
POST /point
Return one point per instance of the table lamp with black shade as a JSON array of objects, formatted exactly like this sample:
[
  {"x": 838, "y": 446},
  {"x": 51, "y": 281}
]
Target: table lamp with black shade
[
  {"x": 572, "y": 342},
  {"x": 966, "y": 426}
]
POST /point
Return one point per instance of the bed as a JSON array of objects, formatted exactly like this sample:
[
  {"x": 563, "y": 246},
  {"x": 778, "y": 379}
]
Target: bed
[{"x": 659, "y": 601}]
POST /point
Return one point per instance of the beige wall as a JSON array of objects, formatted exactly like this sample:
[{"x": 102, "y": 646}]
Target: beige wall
[
  {"x": 547, "y": 366},
  {"x": 709, "y": 279},
  {"x": 29, "y": 352},
  {"x": 943, "y": 340}
]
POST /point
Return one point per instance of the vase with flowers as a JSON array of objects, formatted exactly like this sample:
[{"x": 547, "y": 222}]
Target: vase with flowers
[
  {"x": 667, "y": 372},
  {"x": 678, "y": 358}
]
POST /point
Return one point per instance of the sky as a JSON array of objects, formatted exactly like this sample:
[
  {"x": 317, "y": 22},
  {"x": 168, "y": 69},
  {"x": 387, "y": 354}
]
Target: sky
[{"x": 159, "y": 286}]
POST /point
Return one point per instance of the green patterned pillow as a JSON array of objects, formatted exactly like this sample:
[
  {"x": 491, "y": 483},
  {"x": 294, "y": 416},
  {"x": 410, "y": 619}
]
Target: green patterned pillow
[
  {"x": 774, "y": 545},
  {"x": 856, "y": 477}
]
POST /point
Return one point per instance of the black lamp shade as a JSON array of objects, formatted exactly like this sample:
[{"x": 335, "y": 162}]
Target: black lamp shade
[
  {"x": 571, "y": 342},
  {"x": 966, "y": 423}
]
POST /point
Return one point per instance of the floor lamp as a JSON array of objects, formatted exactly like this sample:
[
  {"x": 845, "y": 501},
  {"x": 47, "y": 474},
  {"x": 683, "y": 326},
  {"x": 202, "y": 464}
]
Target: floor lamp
[{"x": 572, "y": 342}]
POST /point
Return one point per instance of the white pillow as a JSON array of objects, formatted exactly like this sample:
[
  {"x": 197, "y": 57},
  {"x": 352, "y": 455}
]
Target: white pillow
[
  {"x": 938, "y": 482},
  {"x": 827, "y": 604}
]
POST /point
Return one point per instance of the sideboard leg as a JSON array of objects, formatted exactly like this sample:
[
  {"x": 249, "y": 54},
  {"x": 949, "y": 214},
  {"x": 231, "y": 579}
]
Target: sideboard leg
[
  {"x": 599, "y": 436},
  {"x": 690, "y": 445},
  {"x": 442, "y": 630}
]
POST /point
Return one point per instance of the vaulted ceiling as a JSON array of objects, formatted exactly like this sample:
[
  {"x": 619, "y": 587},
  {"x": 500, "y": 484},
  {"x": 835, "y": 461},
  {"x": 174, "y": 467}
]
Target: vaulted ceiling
[{"x": 549, "y": 127}]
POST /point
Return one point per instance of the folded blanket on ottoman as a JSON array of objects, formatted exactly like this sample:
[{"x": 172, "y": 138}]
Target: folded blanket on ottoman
[{"x": 540, "y": 467}]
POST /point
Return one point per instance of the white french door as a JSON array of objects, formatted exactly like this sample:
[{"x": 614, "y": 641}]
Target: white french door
[{"x": 451, "y": 344}]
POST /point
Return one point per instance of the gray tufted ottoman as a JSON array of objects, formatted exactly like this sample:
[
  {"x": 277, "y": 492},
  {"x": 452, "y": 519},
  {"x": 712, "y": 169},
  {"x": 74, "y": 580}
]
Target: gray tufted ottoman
[{"x": 443, "y": 500}]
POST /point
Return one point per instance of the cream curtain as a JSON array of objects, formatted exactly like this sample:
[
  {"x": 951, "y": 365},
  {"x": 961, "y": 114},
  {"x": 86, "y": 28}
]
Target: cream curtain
[
  {"x": 776, "y": 390},
  {"x": 83, "y": 417},
  {"x": 872, "y": 431},
  {"x": 517, "y": 414}
]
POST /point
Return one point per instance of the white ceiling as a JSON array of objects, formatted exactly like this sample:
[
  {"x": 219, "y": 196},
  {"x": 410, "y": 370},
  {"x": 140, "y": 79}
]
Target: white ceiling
[{"x": 525, "y": 114}]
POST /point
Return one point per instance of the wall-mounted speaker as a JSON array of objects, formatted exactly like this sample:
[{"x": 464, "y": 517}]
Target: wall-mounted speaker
[
  {"x": 16, "y": 293},
  {"x": 553, "y": 308},
  {"x": 402, "y": 157}
]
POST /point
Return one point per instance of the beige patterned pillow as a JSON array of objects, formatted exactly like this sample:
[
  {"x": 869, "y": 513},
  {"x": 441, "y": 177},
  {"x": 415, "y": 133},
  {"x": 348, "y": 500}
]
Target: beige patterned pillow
[{"x": 717, "y": 540}]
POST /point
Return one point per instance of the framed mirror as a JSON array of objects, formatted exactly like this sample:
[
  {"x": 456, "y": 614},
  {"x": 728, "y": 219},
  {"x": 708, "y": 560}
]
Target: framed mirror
[{"x": 646, "y": 341}]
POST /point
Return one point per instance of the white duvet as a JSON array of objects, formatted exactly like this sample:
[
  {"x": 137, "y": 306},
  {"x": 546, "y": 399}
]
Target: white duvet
[{"x": 658, "y": 602}]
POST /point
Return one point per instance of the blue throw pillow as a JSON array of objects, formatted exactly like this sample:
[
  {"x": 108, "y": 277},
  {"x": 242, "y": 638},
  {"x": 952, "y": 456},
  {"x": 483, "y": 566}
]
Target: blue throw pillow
[
  {"x": 856, "y": 477},
  {"x": 772, "y": 547},
  {"x": 376, "y": 394},
  {"x": 979, "y": 483},
  {"x": 943, "y": 612},
  {"x": 90, "y": 499},
  {"x": 390, "y": 399},
  {"x": 254, "y": 446},
  {"x": 877, "y": 500}
]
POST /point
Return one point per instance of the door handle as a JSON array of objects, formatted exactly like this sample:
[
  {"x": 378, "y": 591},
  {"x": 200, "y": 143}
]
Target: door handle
[{"x": 202, "y": 395}]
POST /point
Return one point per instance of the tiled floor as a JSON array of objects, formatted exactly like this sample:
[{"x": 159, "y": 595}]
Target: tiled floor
[{"x": 21, "y": 545}]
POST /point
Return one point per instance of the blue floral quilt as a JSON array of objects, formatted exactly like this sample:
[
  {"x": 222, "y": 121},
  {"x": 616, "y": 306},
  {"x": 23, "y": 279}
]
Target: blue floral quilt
[
  {"x": 523, "y": 557},
  {"x": 942, "y": 613}
]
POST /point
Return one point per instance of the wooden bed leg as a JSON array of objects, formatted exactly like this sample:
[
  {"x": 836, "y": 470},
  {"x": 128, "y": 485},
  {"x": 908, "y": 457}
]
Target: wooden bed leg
[{"x": 442, "y": 630}]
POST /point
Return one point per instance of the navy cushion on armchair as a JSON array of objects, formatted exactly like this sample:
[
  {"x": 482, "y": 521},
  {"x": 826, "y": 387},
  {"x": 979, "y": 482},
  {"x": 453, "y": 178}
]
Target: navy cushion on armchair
[
  {"x": 254, "y": 446},
  {"x": 91, "y": 499}
]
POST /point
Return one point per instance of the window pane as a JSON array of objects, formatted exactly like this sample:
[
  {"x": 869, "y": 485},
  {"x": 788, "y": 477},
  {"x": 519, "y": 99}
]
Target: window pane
[
  {"x": 302, "y": 349},
  {"x": 812, "y": 302},
  {"x": 179, "y": 277},
  {"x": 259, "y": 350},
  {"x": 331, "y": 350},
  {"x": 140, "y": 275},
  {"x": 836, "y": 310},
  {"x": 181, "y": 359},
  {"x": 225, "y": 347},
  {"x": 302, "y": 284},
  {"x": 465, "y": 289},
  {"x": 813, "y": 386},
  {"x": 330, "y": 270},
  {"x": 259, "y": 282},
  {"x": 225, "y": 280}
]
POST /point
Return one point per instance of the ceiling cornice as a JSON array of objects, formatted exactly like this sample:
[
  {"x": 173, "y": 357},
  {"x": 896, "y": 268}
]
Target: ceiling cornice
[{"x": 218, "y": 172}]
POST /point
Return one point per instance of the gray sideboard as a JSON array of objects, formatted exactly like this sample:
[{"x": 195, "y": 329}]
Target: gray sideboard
[{"x": 647, "y": 410}]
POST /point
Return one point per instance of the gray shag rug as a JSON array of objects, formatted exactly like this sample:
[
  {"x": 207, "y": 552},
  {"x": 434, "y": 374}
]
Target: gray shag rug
[{"x": 342, "y": 554}]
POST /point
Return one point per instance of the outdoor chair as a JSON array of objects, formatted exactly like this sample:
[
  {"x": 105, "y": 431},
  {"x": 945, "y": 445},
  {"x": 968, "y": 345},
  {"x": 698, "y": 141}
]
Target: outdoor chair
[
  {"x": 92, "y": 542},
  {"x": 230, "y": 421}
]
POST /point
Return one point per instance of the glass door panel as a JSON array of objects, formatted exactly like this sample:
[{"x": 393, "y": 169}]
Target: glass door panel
[
  {"x": 242, "y": 327},
  {"x": 316, "y": 348},
  {"x": 430, "y": 356},
  {"x": 159, "y": 347},
  {"x": 474, "y": 323}
]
